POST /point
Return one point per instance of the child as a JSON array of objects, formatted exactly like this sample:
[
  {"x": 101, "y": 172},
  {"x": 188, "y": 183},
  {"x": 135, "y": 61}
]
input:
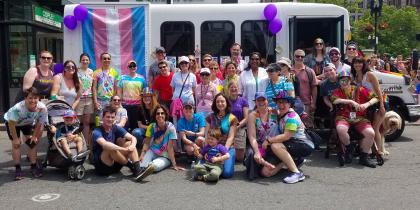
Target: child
[
  {"x": 67, "y": 136},
  {"x": 214, "y": 155}
]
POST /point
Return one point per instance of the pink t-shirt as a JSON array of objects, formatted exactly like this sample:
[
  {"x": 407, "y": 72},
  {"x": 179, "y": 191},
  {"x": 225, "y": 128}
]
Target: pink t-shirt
[
  {"x": 205, "y": 93},
  {"x": 305, "y": 87}
]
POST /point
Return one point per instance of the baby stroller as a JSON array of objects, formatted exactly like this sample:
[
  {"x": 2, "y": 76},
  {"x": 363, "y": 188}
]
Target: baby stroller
[{"x": 55, "y": 154}]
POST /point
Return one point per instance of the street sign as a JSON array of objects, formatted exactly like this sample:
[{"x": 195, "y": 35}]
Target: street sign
[{"x": 47, "y": 17}]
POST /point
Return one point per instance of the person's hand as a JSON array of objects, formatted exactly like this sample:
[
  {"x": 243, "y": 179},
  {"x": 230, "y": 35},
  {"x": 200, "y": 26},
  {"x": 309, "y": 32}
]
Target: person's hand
[
  {"x": 265, "y": 144},
  {"x": 97, "y": 106},
  {"x": 215, "y": 159},
  {"x": 53, "y": 129},
  {"x": 363, "y": 107},
  {"x": 131, "y": 148},
  {"x": 355, "y": 105},
  {"x": 313, "y": 107},
  {"x": 16, "y": 141},
  {"x": 70, "y": 136},
  {"x": 189, "y": 133},
  {"x": 257, "y": 157},
  {"x": 382, "y": 109},
  {"x": 178, "y": 168},
  {"x": 34, "y": 139},
  {"x": 331, "y": 109}
]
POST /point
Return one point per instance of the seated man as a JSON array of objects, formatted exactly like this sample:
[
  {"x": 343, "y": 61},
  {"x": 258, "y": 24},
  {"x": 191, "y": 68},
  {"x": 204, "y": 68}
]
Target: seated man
[
  {"x": 352, "y": 103},
  {"x": 191, "y": 129},
  {"x": 113, "y": 147}
]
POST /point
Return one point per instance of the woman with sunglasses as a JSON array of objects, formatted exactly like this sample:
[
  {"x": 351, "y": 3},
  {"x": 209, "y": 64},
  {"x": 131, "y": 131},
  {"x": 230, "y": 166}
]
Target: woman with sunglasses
[
  {"x": 39, "y": 77},
  {"x": 158, "y": 149},
  {"x": 121, "y": 116},
  {"x": 318, "y": 58},
  {"x": 364, "y": 77},
  {"x": 250, "y": 79},
  {"x": 215, "y": 76},
  {"x": 351, "y": 52},
  {"x": 274, "y": 83},
  {"x": 67, "y": 85},
  {"x": 205, "y": 93},
  {"x": 130, "y": 87},
  {"x": 230, "y": 70},
  {"x": 223, "y": 119}
]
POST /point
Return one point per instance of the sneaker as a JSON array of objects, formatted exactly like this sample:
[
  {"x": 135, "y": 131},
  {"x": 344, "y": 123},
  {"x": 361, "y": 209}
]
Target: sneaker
[
  {"x": 364, "y": 160},
  {"x": 18, "y": 174},
  {"x": 294, "y": 178},
  {"x": 37, "y": 171},
  {"x": 197, "y": 177},
  {"x": 348, "y": 155},
  {"x": 149, "y": 170}
]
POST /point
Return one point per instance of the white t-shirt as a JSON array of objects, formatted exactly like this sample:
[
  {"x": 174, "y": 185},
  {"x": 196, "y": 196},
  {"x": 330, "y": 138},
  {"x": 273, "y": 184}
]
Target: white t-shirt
[
  {"x": 22, "y": 116},
  {"x": 177, "y": 82}
]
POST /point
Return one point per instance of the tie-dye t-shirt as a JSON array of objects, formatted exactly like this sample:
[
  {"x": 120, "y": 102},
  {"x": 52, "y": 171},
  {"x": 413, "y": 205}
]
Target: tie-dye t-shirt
[
  {"x": 132, "y": 87},
  {"x": 154, "y": 133},
  {"x": 105, "y": 83},
  {"x": 22, "y": 116},
  {"x": 86, "y": 77},
  {"x": 272, "y": 90},
  {"x": 292, "y": 122}
]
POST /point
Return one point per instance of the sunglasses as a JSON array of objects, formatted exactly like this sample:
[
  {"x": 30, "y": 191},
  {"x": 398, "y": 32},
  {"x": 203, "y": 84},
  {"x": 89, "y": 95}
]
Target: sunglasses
[
  {"x": 160, "y": 113},
  {"x": 344, "y": 80},
  {"x": 188, "y": 107},
  {"x": 351, "y": 49},
  {"x": 299, "y": 56},
  {"x": 204, "y": 74},
  {"x": 70, "y": 67},
  {"x": 319, "y": 43},
  {"x": 132, "y": 66},
  {"x": 106, "y": 59},
  {"x": 206, "y": 59},
  {"x": 214, "y": 68},
  {"x": 334, "y": 54},
  {"x": 116, "y": 100},
  {"x": 162, "y": 67},
  {"x": 46, "y": 58}
]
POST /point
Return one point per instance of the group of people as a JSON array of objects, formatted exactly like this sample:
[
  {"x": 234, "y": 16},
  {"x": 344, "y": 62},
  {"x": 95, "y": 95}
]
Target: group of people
[{"x": 247, "y": 112}]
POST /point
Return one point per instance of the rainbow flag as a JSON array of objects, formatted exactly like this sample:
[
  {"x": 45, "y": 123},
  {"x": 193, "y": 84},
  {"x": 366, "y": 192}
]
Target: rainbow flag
[{"x": 118, "y": 31}]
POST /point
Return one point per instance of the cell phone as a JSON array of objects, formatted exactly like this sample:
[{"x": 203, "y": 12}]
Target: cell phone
[{"x": 30, "y": 143}]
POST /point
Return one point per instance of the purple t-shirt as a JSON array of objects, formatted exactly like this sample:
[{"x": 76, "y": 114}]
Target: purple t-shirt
[
  {"x": 237, "y": 107},
  {"x": 209, "y": 152}
]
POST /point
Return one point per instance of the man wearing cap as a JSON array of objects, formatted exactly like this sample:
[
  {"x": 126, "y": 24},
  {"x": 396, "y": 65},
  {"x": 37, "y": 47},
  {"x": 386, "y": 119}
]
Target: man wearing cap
[
  {"x": 352, "y": 103},
  {"x": 154, "y": 68},
  {"x": 335, "y": 57},
  {"x": 351, "y": 52},
  {"x": 162, "y": 84},
  {"x": 191, "y": 128},
  {"x": 329, "y": 84},
  {"x": 130, "y": 88}
]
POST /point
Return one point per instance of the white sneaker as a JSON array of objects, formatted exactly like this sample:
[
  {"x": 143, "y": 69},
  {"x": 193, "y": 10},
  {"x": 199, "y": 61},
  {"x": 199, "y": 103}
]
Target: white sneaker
[{"x": 294, "y": 178}]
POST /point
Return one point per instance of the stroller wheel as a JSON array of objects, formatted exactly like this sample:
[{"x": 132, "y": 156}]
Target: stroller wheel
[
  {"x": 79, "y": 172},
  {"x": 71, "y": 172}
]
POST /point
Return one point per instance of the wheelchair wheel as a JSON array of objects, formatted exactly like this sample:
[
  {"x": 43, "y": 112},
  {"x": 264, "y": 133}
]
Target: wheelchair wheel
[
  {"x": 71, "y": 172},
  {"x": 79, "y": 172}
]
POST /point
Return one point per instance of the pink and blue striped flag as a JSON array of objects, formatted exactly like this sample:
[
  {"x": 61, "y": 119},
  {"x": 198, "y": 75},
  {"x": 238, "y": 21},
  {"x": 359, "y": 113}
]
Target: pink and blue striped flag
[{"x": 118, "y": 31}]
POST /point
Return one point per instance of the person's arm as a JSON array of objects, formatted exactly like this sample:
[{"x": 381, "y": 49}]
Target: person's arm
[
  {"x": 376, "y": 88},
  {"x": 56, "y": 85},
  {"x": 327, "y": 102},
  {"x": 120, "y": 92},
  {"x": 314, "y": 93},
  {"x": 185, "y": 139},
  {"x": 123, "y": 121},
  {"x": 171, "y": 154},
  {"x": 133, "y": 141},
  {"x": 251, "y": 130},
  {"x": 77, "y": 99},
  {"x": 29, "y": 78},
  {"x": 13, "y": 133},
  {"x": 37, "y": 134},
  {"x": 221, "y": 159},
  {"x": 94, "y": 92},
  {"x": 243, "y": 122},
  {"x": 141, "y": 125},
  {"x": 231, "y": 135},
  {"x": 286, "y": 135}
]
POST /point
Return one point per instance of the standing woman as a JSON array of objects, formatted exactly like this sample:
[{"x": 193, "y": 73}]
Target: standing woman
[
  {"x": 158, "y": 149},
  {"x": 67, "y": 85},
  {"x": 250, "y": 80},
  {"x": 223, "y": 119},
  {"x": 240, "y": 109},
  {"x": 40, "y": 77},
  {"x": 147, "y": 105},
  {"x": 85, "y": 106},
  {"x": 230, "y": 69},
  {"x": 318, "y": 58},
  {"x": 205, "y": 93},
  {"x": 363, "y": 76},
  {"x": 130, "y": 88}
]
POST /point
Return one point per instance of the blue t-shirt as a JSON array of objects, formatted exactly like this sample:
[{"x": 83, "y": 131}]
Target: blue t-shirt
[
  {"x": 209, "y": 152},
  {"x": 116, "y": 132},
  {"x": 327, "y": 87},
  {"x": 238, "y": 107},
  {"x": 193, "y": 125}
]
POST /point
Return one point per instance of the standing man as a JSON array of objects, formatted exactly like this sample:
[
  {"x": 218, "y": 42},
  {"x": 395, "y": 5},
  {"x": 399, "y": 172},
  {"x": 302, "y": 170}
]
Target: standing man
[
  {"x": 154, "y": 70},
  {"x": 113, "y": 147},
  {"x": 307, "y": 88},
  {"x": 104, "y": 85},
  {"x": 335, "y": 57},
  {"x": 235, "y": 56},
  {"x": 351, "y": 52}
]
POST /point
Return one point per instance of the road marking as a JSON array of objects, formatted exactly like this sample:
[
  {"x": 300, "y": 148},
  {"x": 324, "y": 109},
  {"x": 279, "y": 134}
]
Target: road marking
[{"x": 45, "y": 197}]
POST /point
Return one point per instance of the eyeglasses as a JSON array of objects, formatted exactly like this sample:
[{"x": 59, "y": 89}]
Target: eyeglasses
[
  {"x": 344, "y": 80},
  {"x": 70, "y": 67},
  {"x": 116, "y": 100},
  {"x": 206, "y": 59},
  {"x": 162, "y": 67},
  {"x": 132, "y": 66},
  {"x": 188, "y": 107},
  {"x": 214, "y": 68},
  {"x": 334, "y": 54},
  {"x": 351, "y": 49},
  {"x": 204, "y": 74},
  {"x": 106, "y": 59},
  {"x": 319, "y": 43},
  {"x": 299, "y": 56},
  {"x": 160, "y": 113},
  {"x": 46, "y": 58}
]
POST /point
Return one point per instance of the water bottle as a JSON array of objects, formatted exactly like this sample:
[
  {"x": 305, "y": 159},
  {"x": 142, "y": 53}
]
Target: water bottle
[{"x": 97, "y": 120}]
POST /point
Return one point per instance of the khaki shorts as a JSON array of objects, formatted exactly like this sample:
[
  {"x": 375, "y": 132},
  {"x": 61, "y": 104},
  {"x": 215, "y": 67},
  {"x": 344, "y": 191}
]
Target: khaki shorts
[
  {"x": 240, "y": 138},
  {"x": 85, "y": 106}
]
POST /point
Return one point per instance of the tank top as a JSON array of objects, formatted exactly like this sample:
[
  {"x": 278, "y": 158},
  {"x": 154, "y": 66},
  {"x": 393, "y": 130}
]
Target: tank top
[
  {"x": 68, "y": 94},
  {"x": 265, "y": 129},
  {"x": 366, "y": 84},
  {"x": 43, "y": 83}
]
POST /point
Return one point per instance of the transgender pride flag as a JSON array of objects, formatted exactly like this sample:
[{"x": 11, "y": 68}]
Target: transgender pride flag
[{"x": 121, "y": 30}]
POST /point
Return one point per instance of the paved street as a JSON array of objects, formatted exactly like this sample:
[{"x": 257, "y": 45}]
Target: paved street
[{"x": 393, "y": 186}]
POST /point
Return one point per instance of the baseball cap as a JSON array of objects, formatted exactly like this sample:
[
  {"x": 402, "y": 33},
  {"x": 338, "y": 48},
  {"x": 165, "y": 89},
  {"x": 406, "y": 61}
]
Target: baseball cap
[
  {"x": 205, "y": 70},
  {"x": 285, "y": 61},
  {"x": 344, "y": 74},
  {"x": 260, "y": 95},
  {"x": 69, "y": 113},
  {"x": 330, "y": 65},
  {"x": 283, "y": 94},
  {"x": 160, "y": 50},
  {"x": 183, "y": 59},
  {"x": 334, "y": 49},
  {"x": 188, "y": 103}
]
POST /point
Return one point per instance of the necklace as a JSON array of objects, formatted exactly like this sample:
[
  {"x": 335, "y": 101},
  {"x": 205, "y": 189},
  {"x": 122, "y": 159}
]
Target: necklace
[{"x": 203, "y": 103}]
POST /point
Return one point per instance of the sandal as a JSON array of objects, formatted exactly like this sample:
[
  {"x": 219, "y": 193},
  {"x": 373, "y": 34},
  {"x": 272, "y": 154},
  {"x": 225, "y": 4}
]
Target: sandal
[{"x": 18, "y": 174}]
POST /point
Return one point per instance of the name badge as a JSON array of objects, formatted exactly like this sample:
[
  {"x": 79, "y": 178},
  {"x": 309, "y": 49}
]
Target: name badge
[{"x": 352, "y": 115}]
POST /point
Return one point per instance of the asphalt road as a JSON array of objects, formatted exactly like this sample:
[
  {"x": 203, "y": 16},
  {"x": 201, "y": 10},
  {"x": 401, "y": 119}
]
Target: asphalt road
[{"x": 393, "y": 186}]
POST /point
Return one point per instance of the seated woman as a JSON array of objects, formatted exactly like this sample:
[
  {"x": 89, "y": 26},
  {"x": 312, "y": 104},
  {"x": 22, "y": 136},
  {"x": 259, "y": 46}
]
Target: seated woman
[
  {"x": 121, "y": 116},
  {"x": 158, "y": 149},
  {"x": 147, "y": 105},
  {"x": 352, "y": 103},
  {"x": 260, "y": 125},
  {"x": 223, "y": 119},
  {"x": 292, "y": 144},
  {"x": 191, "y": 128}
]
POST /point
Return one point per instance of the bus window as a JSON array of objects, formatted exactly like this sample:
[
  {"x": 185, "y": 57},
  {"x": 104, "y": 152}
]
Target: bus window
[
  {"x": 256, "y": 38},
  {"x": 217, "y": 37},
  {"x": 177, "y": 37}
]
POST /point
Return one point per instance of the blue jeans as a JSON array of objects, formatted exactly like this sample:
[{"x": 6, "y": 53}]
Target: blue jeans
[
  {"x": 229, "y": 164},
  {"x": 158, "y": 162},
  {"x": 139, "y": 133}
]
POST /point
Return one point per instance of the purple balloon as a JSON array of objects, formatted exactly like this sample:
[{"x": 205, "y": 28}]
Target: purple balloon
[
  {"x": 80, "y": 12},
  {"x": 275, "y": 26},
  {"x": 58, "y": 68},
  {"x": 70, "y": 22},
  {"x": 270, "y": 12}
]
